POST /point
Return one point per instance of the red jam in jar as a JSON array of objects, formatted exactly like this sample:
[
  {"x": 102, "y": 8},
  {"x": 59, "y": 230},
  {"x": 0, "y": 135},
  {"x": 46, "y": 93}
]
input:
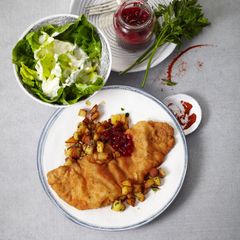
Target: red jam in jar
[{"x": 133, "y": 23}]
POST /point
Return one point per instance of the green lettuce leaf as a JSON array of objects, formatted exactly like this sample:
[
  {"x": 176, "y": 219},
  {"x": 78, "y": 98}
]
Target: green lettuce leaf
[
  {"x": 43, "y": 97},
  {"x": 33, "y": 37},
  {"x": 72, "y": 94},
  {"x": 28, "y": 75},
  {"x": 33, "y": 40},
  {"x": 22, "y": 53},
  {"x": 48, "y": 63},
  {"x": 84, "y": 34}
]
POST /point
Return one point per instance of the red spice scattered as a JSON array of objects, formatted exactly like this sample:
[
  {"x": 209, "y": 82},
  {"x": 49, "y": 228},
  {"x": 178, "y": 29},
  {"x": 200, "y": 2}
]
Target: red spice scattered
[
  {"x": 199, "y": 65},
  {"x": 184, "y": 117},
  {"x": 182, "y": 68},
  {"x": 170, "y": 67},
  {"x": 117, "y": 138}
]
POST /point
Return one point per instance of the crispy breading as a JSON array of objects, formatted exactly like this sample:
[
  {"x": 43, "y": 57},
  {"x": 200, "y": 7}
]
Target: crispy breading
[
  {"x": 86, "y": 184},
  {"x": 152, "y": 141}
]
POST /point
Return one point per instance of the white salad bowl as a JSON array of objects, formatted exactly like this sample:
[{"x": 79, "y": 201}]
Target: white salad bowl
[{"x": 61, "y": 19}]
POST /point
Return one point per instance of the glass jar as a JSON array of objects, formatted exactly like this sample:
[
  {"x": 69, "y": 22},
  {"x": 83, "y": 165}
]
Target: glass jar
[{"x": 133, "y": 23}]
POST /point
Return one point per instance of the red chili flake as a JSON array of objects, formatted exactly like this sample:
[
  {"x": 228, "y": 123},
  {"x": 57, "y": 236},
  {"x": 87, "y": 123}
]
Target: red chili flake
[
  {"x": 199, "y": 65},
  {"x": 182, "y": 68}
]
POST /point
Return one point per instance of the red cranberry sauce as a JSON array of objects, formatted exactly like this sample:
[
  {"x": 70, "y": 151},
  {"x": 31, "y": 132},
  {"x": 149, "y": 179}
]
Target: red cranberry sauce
[
  {"x": 135, "y": 16},
  {"x": 133, "y": 24},
  {"x": 118, "y": 139}
]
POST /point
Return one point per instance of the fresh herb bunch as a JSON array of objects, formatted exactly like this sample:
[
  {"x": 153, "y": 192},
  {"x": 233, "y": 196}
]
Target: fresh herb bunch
[{"x": 181, "y": 19}]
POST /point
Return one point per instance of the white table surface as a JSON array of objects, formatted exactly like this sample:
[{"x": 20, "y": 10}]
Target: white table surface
[{"x": 208, "y": 206}]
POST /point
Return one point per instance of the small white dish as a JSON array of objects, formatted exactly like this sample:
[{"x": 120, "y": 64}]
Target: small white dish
[
  {"x": 122, "y": 58},
  {"x": 113, "y": 99},
  {"x": 196, "y": 109},
  {"x": 61, "y": 19}
]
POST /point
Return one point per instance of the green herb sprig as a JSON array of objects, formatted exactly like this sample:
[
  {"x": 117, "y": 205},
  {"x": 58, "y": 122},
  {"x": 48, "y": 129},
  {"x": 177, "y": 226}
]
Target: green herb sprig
[{"x": 181, "y": 20}]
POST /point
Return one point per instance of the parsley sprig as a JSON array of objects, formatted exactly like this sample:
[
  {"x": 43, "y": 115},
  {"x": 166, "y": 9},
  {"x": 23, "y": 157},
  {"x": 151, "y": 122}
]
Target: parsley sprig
[{"x": 180, "y": 20}]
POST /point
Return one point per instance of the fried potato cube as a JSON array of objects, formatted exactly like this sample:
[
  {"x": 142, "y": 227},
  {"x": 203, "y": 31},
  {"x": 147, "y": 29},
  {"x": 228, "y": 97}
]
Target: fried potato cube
[
  {"x": 71, "y": 141},
  {"x": 118, "y": 206},
  {"x": 82, "y": 113},
  {"x": 75, "y": 136},
  {"x": 149, "y": 183},
  {"x": 140, "y": 196},
  {"x": 68, "y": 162},
  {"x": 100, "y": 146},
  {"x": 100, "y": 129},
  {"x": 131, "y": 201},
  {"x": 73, "y": 152},
  {"x": 89, "y": 149},
  {"x": 126, "y": 190},
  {"x": 86, "y": 138},
  {"x": 93, "y": 113},
  {"x": 118, "y": 118},
  {"x": 157, "y": 181},
  {"x": 82, "y": 128},
  {"x": 95, "y": 137},
  {"x": 88, "y": 103}
]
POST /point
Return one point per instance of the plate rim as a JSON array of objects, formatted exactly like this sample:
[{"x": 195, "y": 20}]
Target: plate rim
[{"x": 44, "y": 184}]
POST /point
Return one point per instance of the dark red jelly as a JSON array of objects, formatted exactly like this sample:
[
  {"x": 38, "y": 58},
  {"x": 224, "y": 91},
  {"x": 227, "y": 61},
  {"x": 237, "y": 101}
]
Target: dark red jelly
[
  {"x": 135, "y": 16},
  {"x": 133, "y": 24},
  {"x": 118, "y": 139}
]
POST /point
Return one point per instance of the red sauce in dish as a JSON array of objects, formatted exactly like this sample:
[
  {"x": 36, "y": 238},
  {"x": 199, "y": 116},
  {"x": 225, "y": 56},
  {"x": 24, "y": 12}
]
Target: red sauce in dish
[
  {"x": 191, "y": 120},
  {"x": 184, "y": 117},
  {"x": 118, "y": 139}
]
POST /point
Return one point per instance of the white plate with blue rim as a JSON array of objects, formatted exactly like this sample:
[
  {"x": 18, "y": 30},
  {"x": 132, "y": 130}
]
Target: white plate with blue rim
[
  {"x": 121, "y": 58},
  {"x": 140, "y": 106}
]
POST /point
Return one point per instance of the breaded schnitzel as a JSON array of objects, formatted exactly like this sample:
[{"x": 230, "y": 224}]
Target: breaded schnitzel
[{"x": 87, "y": 185}]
